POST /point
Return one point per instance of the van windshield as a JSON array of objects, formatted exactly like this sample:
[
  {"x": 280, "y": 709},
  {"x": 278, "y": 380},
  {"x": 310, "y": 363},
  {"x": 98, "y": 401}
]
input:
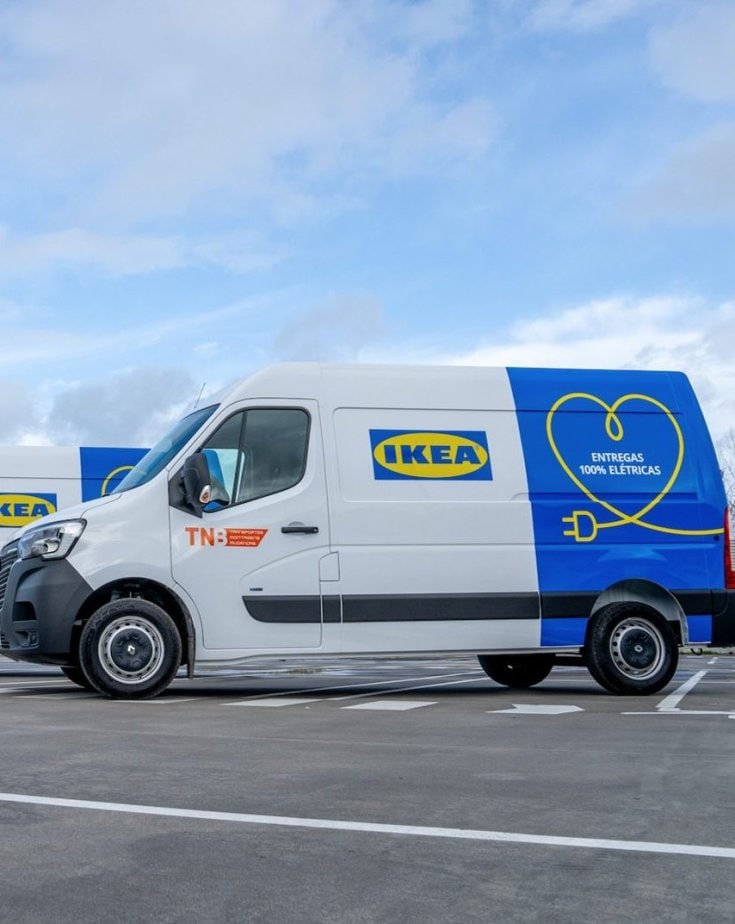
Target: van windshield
[{"x": 156, "y": 459}]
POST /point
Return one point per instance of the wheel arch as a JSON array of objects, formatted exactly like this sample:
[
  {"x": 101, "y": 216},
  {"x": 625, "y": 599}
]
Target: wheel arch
[
  {"x": 145, "y": 589},
  {"x": 648, "y": 594}
]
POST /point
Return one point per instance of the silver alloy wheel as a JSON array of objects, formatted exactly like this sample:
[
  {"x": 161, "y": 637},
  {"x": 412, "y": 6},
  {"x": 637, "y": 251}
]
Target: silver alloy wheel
[
  {"x": 637, "y": 648},
  {"x": 131, "y": 649}
]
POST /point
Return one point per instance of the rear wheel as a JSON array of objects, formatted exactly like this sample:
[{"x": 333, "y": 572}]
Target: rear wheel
[
  {"x": 631, "y": 650},
  {"x": 130, "y": 649},
  {"x": 519, "y": 672}
]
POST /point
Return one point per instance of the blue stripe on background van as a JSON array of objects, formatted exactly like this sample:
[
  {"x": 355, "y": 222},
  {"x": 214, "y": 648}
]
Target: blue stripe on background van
[{"x": 103, "y": 468}]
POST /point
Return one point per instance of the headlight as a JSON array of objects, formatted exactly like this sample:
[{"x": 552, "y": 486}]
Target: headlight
[{"x": 53, "y": 541}]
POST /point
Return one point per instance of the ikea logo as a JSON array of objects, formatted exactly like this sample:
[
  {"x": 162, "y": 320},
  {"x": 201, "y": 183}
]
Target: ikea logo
[
  {"x": 431, "y": 454},
  {"x": 20, "y": 509}
]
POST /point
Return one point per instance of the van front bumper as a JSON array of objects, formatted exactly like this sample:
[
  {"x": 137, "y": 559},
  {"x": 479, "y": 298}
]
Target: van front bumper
[{"x": 39, "y": 607}]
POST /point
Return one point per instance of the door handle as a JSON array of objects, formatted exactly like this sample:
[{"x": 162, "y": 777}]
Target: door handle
[{"x": 299, "y": 528}]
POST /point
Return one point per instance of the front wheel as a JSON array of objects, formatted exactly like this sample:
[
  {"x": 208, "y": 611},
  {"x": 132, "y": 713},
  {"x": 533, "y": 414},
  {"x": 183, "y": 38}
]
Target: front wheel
[
  {"x": 519, "y": 672},
  {"x": 130, "y": 649},
  {"x": 631, "y": 650},
  {"x": 76, "y": 675}
]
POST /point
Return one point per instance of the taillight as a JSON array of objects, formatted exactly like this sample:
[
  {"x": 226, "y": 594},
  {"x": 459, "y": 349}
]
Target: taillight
[{"x": 729, "y": 552}]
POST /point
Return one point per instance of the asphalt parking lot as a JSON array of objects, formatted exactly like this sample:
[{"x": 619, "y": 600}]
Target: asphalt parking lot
[{"x": 373, "y": 791}]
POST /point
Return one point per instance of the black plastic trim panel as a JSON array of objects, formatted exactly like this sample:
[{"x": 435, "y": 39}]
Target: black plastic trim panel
[
  {"x": 399, "y": 608},
  {"x": 568, "y": 605},
  {"x": 456, "y": 607},
  {"x": 723, "y": 620},
  {"x": 39, "y": 610}
]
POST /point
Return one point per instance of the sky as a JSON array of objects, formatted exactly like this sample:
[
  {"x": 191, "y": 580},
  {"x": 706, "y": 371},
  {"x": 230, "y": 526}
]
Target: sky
[{"x": 191, "y": 191}]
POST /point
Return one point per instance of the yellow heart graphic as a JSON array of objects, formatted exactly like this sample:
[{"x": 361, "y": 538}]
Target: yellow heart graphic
[{"x": 615, "y": 431}]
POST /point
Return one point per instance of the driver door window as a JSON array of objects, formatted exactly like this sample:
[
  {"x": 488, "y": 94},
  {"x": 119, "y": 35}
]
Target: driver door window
[{"x": 258, "y": 452}]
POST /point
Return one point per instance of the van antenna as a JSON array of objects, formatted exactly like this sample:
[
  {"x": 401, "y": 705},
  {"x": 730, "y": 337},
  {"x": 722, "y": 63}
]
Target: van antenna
[{"x": 199, "y": 396}]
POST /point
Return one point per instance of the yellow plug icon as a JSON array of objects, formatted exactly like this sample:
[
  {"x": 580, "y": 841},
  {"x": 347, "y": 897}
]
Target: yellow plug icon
[{"x": 576, "y": 530}]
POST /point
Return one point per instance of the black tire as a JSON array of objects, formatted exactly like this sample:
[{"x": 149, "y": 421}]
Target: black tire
[
  {"x": 631, "y": 650},
  {"x": 519, "y": 672},
  {"x": 76, "y": 675},
  {"x": 130, "y": 649}
]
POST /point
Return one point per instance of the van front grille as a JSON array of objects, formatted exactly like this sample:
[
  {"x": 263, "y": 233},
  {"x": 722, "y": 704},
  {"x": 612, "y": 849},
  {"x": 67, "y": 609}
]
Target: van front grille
[{"x": 7, "y": 560}]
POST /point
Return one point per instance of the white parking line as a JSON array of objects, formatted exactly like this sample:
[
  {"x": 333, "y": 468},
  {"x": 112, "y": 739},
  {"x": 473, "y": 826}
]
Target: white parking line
[
  {"x": 390, "y": 705},
  {"x": 351, "y": 686},
  {"x": 420, "y": 686},
  {"x": 156, "y": 701},
  {"x": 671, "y": 702},
  {"x": 81, "y": 694},
  {"x": 272, "y": 703},
  {"x": 18, "y": 688},
  {"x": 533, "y": 709},
  {"x": 684, "y": 712},
  {"x": 362, "y": 827}
]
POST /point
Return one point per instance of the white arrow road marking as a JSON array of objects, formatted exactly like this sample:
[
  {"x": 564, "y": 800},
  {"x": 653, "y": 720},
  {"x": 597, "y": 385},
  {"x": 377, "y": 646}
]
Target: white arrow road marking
[{"x": 528, "y": 709}]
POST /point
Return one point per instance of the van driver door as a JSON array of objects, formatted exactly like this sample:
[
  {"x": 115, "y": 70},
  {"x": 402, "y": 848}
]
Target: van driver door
[{"x": 251, "y": 562}]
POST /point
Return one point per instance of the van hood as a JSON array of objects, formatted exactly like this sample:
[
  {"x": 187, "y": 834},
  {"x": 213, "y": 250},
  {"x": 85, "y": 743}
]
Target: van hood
[{"x": 76, "y": 512}]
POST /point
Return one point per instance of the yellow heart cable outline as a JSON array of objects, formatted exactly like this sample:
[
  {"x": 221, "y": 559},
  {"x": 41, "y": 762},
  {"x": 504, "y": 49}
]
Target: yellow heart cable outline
[
  {"x": 615, "y": 431},
  {"x": 114, "y": 474}
]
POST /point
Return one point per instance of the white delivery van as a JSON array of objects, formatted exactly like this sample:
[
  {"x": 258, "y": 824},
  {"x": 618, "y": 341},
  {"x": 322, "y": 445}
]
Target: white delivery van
[
  {"x": 525, "y": 515},
  {"x": 38, "y": 480}
]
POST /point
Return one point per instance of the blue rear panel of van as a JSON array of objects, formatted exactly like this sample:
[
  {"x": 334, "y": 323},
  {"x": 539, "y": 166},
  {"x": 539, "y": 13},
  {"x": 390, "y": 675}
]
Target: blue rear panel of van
[{"x": 623, "y": 483}]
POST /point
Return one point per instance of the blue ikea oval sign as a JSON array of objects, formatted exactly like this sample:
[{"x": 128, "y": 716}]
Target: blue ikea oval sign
[
  {"x": 435, "y": 455},
  {"x": 21, "y": 509}
]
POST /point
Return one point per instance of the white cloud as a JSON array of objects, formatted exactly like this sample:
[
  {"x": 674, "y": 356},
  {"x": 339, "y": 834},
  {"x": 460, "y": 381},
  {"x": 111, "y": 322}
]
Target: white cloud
[
  {"x": 427, "y": 143},
  {"x": 153, "y": 109},
  {"x": 131, "y": 408},
  {"x": 582, "y": 15},
  {"x": 127, "y": 254},
  {"x": 432, "y": 22},
  {"x": 115, "y": 254},
  {"x": 18, "y": 411},
  {"x": 339, "y": 329},
  {"x": 134, "y": 406},
  {"x": 662, "y": 332},
  {"x": 697, "y": 184},
  {"x": 25, "y": 342},
  {"x": 678, "y": 333},
  {"x": 694, "y": 54}
]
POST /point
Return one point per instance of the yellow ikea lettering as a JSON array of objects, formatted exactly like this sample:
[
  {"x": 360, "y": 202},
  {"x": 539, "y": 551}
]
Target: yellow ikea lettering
[
  {"x": 20, "y": 509},
  {"x": 430, "y": 455}
]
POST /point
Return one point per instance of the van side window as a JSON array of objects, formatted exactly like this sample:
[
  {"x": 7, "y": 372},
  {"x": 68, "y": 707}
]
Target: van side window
[{"x": 258, "y": 452}]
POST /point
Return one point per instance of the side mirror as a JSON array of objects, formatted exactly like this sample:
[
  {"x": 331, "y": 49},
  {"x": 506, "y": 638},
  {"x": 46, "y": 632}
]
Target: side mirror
[
  {"x": 201, "y": 486},
  {"x": 195, "y": 480}
]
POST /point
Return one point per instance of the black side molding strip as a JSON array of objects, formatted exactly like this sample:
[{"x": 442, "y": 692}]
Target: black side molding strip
[
  {"x": 354, "y": 608},
  {"x": 388, "y": 608}
]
